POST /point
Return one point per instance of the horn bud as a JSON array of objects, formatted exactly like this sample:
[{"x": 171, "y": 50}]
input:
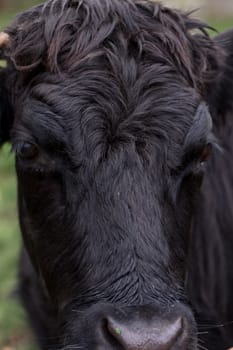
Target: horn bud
[{"x": 4, "y": 39}]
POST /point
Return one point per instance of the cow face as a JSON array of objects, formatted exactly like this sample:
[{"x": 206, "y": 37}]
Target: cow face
[{"x": 111, "y": 133}]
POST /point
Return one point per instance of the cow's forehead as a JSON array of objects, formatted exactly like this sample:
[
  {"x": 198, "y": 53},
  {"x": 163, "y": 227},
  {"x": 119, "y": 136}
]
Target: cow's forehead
[
  {"x": 95, "y": 109},
  {"x": 105, "y": 71}
]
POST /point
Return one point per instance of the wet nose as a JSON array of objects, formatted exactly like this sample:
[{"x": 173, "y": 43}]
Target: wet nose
[{"x": 160, "y": 335}]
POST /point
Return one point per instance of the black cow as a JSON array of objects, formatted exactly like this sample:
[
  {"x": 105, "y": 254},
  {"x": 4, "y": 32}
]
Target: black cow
[{"x": 113, "y": 108}]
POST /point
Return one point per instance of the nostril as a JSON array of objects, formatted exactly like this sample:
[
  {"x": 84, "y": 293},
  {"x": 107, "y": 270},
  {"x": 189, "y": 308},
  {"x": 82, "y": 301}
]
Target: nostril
[
  {"x": 144, "y": 335},
  {"x": 170, "y": 333}
]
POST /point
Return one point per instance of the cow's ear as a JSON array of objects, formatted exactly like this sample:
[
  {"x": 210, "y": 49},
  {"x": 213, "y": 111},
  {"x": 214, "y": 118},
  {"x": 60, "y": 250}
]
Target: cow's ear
[
  {"x": 6, "y": 114},
  {"x": 220, "y": 90}
]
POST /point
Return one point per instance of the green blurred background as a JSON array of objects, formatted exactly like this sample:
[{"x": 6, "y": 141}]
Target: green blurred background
[{"x": 14, "y": 331}]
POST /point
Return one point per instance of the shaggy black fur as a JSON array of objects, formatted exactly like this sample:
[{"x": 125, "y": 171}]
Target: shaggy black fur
[{"x": 112, "y": 107}]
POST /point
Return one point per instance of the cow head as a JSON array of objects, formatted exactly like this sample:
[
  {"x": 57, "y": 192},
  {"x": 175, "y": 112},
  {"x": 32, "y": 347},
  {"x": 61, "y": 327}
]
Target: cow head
[{"x": 116, "y": 106}]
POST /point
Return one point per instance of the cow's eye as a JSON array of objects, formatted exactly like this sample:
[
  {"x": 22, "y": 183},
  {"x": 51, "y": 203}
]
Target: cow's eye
[
  {"x": 27, "y": 150},
  {"x": 200, "y": 166},
  {"x": 206, "y": 151}
]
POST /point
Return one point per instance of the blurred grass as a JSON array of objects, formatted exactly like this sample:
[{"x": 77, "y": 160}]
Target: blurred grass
[
  {"x": 13, "y": 326},
  {"x": 5, "y": 18},
  {"x": 7, "y": 15},
  {"x": 220, "y": 25},
  {"x": 14, "y": 333}
]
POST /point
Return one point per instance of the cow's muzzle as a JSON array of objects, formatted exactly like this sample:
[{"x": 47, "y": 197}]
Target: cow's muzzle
[{"x": 136, "y": 328}]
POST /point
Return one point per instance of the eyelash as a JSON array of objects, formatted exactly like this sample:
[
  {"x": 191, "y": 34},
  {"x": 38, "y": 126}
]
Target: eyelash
[
  {"x": 193, "y": 165},
  {"x": 197, "y": 157}
]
